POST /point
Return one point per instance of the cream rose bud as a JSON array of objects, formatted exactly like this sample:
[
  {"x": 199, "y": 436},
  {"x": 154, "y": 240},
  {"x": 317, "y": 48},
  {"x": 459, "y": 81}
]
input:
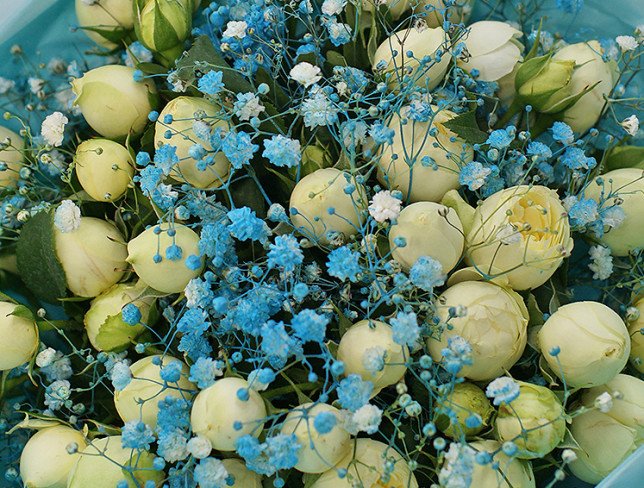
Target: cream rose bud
[
  {"x": 49, "y": 456},
  {"x": 590, "y": 69},
  {"x": 627, "y": 393},
  {"x": 368, "y": 349},
  {"x": 427, "y": 65},
  {"x": 429, "y": 229},
  {"x": 604, "y": 444},
  {"x": 242, "y": 476},
  {"x": 139, "y": 399},
  {"x": 163, "y": 24},
  {"x": 590, "y": 342},
  {"x": 104, "y": 325},
  {"x": 627, "y": 186},
  {"x": 328, "y": 201},
  {"x": 227, "y": 404},
  {"x": 367, "y": 464},
  {"x": 636, "y": 331},
  {"x": 18, "y": 337},
  {"x": 424, "y": 167},
  {"x": 395, "y": 7},
  {"x": 163, "y": 261},
  {"x": 437, "y": 11},
  {"x": 113, "y": 104},
  {"x": 11, "y": 157},
  {"x": 493, "y": 49},
  {"x": 92, "y": 256},
  {"x": 107, "y": 15},
  {"x": 494, "y": 325},
  {"x": 104, "y": 169},
  {"x": 185, "y": 112},
  {"x": 104, "y": 463},
  {"x": 465, "y": 401},
  {"x": 521, "y": 232},
  {"x": 511, "y": 472},
  {"x": 319, "y": 451},
  {"x": 534, "y": 421}
]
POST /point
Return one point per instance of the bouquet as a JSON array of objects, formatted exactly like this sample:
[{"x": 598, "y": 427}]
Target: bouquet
[{"x": 322, "y": 244}]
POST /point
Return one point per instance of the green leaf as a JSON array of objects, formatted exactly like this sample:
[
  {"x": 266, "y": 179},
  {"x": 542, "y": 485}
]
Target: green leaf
[
  {"x": 536, "y": 315},
  {"x": 152, "y": 69},
  {"x": 625, "y": 157},
  {"x": 23, "y": 312},
  {"x": 309, "y": 479},
  {"x": 343, "y": 322},
  {"x": 112, "y": 34},
  {"x": 372, "y": 44},
  {"x": 466, "y": 127},
  {"x": 37, "y": 261},
  {"x": 116, "y": 334}
]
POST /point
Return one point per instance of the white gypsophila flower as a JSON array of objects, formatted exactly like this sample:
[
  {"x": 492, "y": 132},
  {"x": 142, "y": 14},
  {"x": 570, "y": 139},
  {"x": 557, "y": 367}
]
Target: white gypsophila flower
[
  {"x": 35, "y": 84},
  {"x": 458, "y": 467},
  {"x": 384, "y": 206},
  {"x": 56, "y": 65},
  {"x": 45, "y": 357},
  {"x": 373, "y": 359},
  {"x": 627, "y": 43},
  {"x": 53, "y": 128},
  {"x": 236, "y": 28},
  {"x": 6, "y": 85},
  {"x": 67, "y": 217},
  {"x": 568, "y": 456},
  {"x": 367, "y": 419},
  {"x": 305, "y": 74},
  {"x": 631, "y": 124},
  {"x": 333, "y": 7},
  {"x": 200, "y": 447},
  {"x": 250, "y": 108},
  {"x": 602, "y": 262},
  {"x": 192, "y": 292},
  {"x": 604, "y": 402},
  {"x": 508, "y": 234}
]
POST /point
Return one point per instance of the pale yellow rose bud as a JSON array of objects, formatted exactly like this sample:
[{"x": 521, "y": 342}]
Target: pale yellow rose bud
[
  {"x": 465, "y": 400},
  {"x": 105, "y": 462},
  {"x": 319, "y": 452},
  {"x": 11, "y": 156},
  {"x": 590, "y": 69},
  {"x": 604, "y": 443},
  {"x": 113, "y": 104},
  {"x": 169, "y": 275},
  {"x": 243, "y": 477},
  {"x": 185, "y": 111},
  {"x": 533, "y": 421},
  {"x": 429, "y": 229},
  {"x": 414, "y": 166},
  {"x": 627, "y": 186},
  {"x": 635, "y": 328},
  {"x": 217, "y": 408},
  {"x": 592, "y": 341},
  {"x": 163, "y": 24},
  {"x": 395, "y": 7},
  {"x": 494, "y": 325},
  {"x": 18, "y": 337},
  {"x": 437, "y": 11},
  {"x": 105, "y": 328},
  {"x": 512, "y": 472},
  {"x": 110, "y": 16},
  {"x": 368, "y": 349},
  {"x": 104, "y": 169},
  {"x": 392, "y": 58},
  {"x": 148, "y": 386},
  {"x": 365, "y": 465},
  {"x": 49, "y": 456},
  {"x": 92, "y": 256},
  {"x": 627, "y": 394},
  {"x": 522, "y": 232},
  {"x": 324, "y": 190}
]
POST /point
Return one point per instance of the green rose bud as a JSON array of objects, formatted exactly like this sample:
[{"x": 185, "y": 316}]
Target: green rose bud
[
  {"x": 466, "y": 400},
  {"x": 162, "y": 25},
  {"x": 545, "y": 83},
  {"x": 534, "y": 421},
  {"x": 18, "y": 337}
]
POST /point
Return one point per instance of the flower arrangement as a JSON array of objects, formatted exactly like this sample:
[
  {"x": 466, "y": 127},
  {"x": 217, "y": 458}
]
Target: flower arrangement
[{"x": 322, "y": 243}]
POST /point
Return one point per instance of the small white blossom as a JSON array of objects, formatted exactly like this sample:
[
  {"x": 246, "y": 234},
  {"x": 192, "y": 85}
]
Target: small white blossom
[
  {"x": 626, "y": 43},
  {"x": 35, "y": 84},
  {"x": 604, "y": 402},
  {"x": 458, "y": 466},
  {"x": 305, "y": 74},
  {"x": 333, "y": 7},
  {"x": 200, "y": 447},
  {"x": 602, "y": 262},
  {"x": 236, "y": 28},
  {"x": 631, "y": 124},
  {"x": 366, "y": 419},
  {"x": 373, "y": 359},
  {"x": 67, "y": 217},
  {"x": 568, "y": 456},
  {"x": 249, "y": 107},
  {"x": 45, "y": 357},
  {"x": 384, "y": 206},
  {"x": 53, "y": 128},
  {"x": 6, "y": 85}
]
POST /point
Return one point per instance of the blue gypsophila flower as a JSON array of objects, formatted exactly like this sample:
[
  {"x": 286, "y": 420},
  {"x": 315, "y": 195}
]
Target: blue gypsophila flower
[
  {"x": 319, "y": 111},
  {"x": 277, "y": 345},
  {"x": 136, "y": 435},
  {"x": 473, "y": 175},
  {"x": 353, "y": 392},
  {"x": 502, "y": 390},
  {"x": 131, "y": 314},
  {"x": 238, "y": 148},
  {"x": 121, "y": 375},
  {"x": 282, "y": 151},
  {"x": 405, "y": 328},
  {"x": 583, "y": 212},
  {"x": 382, "y": 134},
  {"x": 285, "y": 253},
  {"x": 211, "y": 83},
  {"x": 245, "y": 225},
  {"x": 575, "y": 159},
  {"x": 344, "y": 264},
  {"x": 324, "y": 422},
  {"x": 427, "y": 273},
  {"x": 562, "y": 133},
  {"x": 203, "y": 372},
  {"x": 309, "y": 326},
  {"x": 540, "y": 150},
  {"x": 500, "y": 139},
  {"x": 456, "y": 355},
  {"x": 165, "y": 157},
  {"x": 171, "y": 372}
]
